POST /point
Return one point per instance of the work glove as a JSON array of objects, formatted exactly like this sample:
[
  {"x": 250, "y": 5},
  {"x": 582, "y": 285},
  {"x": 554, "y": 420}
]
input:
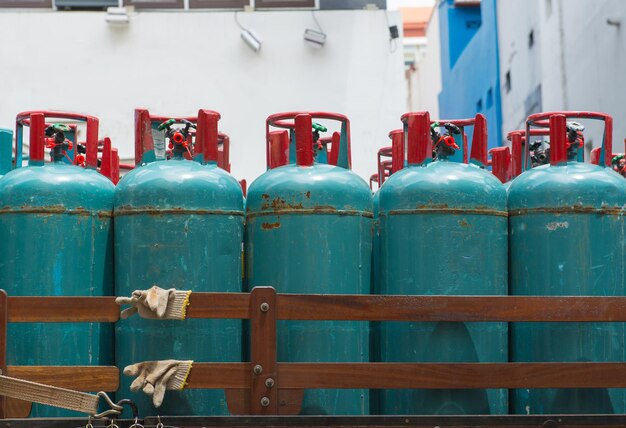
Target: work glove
[
  {"x": 155, "y": 377},
  {"x": 156, "y": 303}
]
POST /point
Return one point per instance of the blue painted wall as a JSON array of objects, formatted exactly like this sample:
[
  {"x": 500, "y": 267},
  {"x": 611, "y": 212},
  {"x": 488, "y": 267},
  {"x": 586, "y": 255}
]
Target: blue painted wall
[{"x": 470, "y": 74}]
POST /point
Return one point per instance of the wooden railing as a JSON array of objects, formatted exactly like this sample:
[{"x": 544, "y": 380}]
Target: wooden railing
[{"x": 265, "y": 386}]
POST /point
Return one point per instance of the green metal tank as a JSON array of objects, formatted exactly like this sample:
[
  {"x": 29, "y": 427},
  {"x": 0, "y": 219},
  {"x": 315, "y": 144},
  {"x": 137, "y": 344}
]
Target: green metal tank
[
  {"x": 309, "y": 227},
  {"x": 6, "y": 151},
  {"x": 178, "y": 224},
  {"x": 566, "y": 227},
  {"x": 57, "y": 240},
  {"x": 443, "y": 231}
]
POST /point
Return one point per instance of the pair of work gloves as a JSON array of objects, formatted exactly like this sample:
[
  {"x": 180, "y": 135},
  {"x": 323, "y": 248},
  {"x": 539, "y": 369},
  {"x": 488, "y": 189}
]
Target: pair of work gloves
[{"x": 156, "y": 377}]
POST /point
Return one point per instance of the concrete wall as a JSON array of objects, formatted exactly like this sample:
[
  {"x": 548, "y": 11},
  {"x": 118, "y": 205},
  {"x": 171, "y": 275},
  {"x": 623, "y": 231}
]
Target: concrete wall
[
  {"x": 578, "y": 59},
  {"x": 177, "y": 62},
  {"x": 469, "y": 64},
  {"x": 521, "y": 61},
  {"x": 425, "y": 79}
]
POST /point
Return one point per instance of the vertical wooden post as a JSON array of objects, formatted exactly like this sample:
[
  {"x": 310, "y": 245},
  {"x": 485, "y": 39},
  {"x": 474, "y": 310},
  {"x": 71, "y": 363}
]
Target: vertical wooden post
[
  {"x": 3, "y": 345},
  {"x": 264, "y": 384}
]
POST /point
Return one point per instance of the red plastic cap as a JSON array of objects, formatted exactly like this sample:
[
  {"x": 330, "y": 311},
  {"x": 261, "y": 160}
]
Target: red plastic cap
[
  {"x": 333, "y": 154},
  {"x": 420, "y": 145},
  {"x": 516, "y": 154},
  {"x": 92, "y": 143},
  {"x": 37, "y": 137},
  {"x": 558, "y": 139},
  {"x": 479, "y": 141},
  {"x": 595, "y": 156},
  {"x": 206, "y": 135},
  {"x": 143, "y": 134},
  {"x": 279, "y": 148},
  {"x": 397, "y": 150},
  {"x": 501, "y": 163},
  {"x": 304, "y": 140}
]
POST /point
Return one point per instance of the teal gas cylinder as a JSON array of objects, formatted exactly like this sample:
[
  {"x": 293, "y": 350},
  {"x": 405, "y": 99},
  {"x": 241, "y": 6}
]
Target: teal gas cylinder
[
  {"x": 443, "y": 231},
  {"x": 178, "y": 224},
  {"x": 6, "y": 151},
  {"x": 566, "y": 226},
  {"x": 57, "y": 240},
  {"x": 309, "y": 228}
]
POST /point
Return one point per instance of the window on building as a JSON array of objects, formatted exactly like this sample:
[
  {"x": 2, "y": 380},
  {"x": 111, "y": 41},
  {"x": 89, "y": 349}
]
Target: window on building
[
  {"x": 26, "y": 3},
  {"x": 155, "y": 4},
  {"x": 479, "y": 105},
  {"x": 218, "y": 4},
  {"x": 548, "y": 8},
  {"x": 84, "y": 4},
  {"x": 284, "y": 3},
  {"x": 489, "y": 101},
  {"x": 507, "y": 81},
  {"x": 531, "y": 39}
]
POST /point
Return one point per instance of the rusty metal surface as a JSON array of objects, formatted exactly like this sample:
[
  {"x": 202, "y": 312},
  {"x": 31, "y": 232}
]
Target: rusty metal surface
[
  {"x": 569, "y": 210},
  {"x": 446, "y": 210},
  {"x": 126, "y": 211},
  {"x": 47, "y": 210},
  {"x": 313, "y": 211}
]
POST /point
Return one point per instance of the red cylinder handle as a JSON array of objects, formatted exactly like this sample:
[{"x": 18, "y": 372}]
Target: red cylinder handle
[
  {"x": 304, "y": 140},
  {"x": 544, "y": 119}
]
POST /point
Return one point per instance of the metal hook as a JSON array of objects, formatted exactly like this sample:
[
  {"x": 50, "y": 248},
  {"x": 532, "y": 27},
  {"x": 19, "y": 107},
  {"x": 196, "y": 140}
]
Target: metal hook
[
  {"x": 114, "y": 408},
  {"x": 159, "y": 424},
  {"x": 136, "y": 424},
  {"x": 130, "y": 403},
  {"x": 89, "y": 424}
]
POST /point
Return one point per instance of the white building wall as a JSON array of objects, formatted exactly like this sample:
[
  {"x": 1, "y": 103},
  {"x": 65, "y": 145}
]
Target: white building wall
[
  {"x": 515, "y": 21},
  {"x": 177, "y": 62},
  {"x": 425, "y": 79},
  {"x": 580, "y": 58}
]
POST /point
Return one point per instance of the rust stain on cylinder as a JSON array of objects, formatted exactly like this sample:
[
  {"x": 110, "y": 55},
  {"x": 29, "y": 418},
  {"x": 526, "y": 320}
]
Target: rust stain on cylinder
[
  {"x": 270, "y": 226},
  {"x": 619, "y": 211}
]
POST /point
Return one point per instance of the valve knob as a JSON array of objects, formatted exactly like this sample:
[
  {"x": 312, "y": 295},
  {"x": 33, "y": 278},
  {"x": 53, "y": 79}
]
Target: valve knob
[{"x": 178, "y": 137}]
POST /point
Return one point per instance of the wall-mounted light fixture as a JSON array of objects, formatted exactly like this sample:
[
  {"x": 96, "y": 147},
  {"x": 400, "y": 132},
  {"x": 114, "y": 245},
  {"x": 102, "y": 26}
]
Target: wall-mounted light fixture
[
  {"x": 119, "y": 15},
  {"x": 252, "y": 39},
  {"x": 317, "y": 37}
]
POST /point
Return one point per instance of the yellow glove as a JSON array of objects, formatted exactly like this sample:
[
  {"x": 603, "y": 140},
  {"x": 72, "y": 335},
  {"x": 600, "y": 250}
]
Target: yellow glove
[
  {"x": 155, "y": 377},
  {"x": 156, "y": 303}
]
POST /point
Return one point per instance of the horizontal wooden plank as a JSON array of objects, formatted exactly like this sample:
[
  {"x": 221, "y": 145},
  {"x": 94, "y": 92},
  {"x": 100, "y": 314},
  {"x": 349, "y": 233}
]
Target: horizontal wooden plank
[
  {"x": 219, "y": 375},
  {"x": 79, "y": 378},
  {"x": 219, "y": 305},
  {"x": 452, "y": 375},
  {"x": 461, "y": 421},
  {"x": 418, "y": 375},
  {"x": 450, "y": 308},
  {"x": 63, "y": 309},
  {"x": 342, "y": 307}
]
